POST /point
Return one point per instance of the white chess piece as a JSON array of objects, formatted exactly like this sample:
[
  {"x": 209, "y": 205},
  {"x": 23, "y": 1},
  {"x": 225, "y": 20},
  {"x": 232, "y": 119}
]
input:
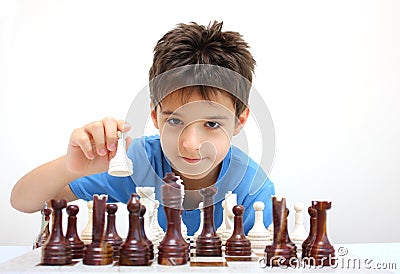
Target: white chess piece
[
  {"x": 221, "y": 229},
  {"x": 86, "y": 235},
  {"x": 198, "y": 232},
  {"x": 230, "y": 202},
  {"x": 299, "y": 233},
  {"x": 259, "y": 235},
  {"x": 183, "y": 226},
  {"x": 155, "y": 225},
  {"x": 145, "y": 194},
  {"x": 120, "y": 165},
  {"x": 271, "y": 231}
]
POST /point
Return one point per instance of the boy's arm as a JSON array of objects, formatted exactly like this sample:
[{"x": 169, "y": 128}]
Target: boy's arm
[
  {"x": 89, "y": 151},
  {"x": 46, "y": 182}
]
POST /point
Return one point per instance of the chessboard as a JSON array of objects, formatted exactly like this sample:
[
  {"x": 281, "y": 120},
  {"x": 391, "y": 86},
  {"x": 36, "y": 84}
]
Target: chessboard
[
  {"x": 226, "y": 248},
  {"x": 384, "y": 253}
]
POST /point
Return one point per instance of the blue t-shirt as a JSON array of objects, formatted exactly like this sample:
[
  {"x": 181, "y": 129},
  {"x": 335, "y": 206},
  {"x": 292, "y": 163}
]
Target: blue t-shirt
[{"x": 238, "y": 174}]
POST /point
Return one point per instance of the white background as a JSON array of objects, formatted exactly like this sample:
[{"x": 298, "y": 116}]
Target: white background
[{"x": 329, "y": 72}]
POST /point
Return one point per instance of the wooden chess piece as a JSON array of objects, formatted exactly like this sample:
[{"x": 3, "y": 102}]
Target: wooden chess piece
[
  {"x": 230, "y": 202},
  {"x": 111, "y": 236},
  {"x": 150, "y": 245},
  {"x": 134, "y": 250},
  {"x": 72, "y": 235},
  {"x": 282, "y": 251},
  {"x": 173, "y": 249},
  {"x": 57, "y": 251},
  {"x": 98, "y": 252},
  {"x": 151, "y": 227},
  {"x": 259, "y": 235},
  {"x": 120, "y": 165},
  {"x": 299, "y": 233},
  {"x": 288, "y": 240},
  {"x": 321, "y": 251},
  {"x": 87, "y": 234},
  {"x": 306, "y": 245},
  {"x": 208, "y": 243},
  {"x": 44, "y": 228},
  {"x": 200, "y": 229},
  {"x": 238, "y": 244}
]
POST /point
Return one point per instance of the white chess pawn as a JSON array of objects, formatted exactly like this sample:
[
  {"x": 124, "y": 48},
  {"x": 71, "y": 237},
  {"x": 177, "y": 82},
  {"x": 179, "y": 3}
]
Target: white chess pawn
[
  {"x": 259, "y": 235},
  {"x": 120, "y": 165},
  {"x": 198, "y": 232},
  {"x": 299, "y": 233},
  {"x": 86, "y": 235}
]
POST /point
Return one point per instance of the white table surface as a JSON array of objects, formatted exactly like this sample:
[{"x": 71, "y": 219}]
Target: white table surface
[{"x": 21, "y": 259}]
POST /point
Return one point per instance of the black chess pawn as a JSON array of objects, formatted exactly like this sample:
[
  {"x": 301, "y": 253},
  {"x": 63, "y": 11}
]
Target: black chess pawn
[
  {"x": 238, "y": 244},
  {"x": 72, "y": 235},
  {"x": 57, "y": 251},
  {"x": 306, "y": 245},
  {"x": 111, "y": 236},
  {"x": 150, "y": 245},
  {"x": 208, "y": 243},
  {"x": 134, "y": 251}
]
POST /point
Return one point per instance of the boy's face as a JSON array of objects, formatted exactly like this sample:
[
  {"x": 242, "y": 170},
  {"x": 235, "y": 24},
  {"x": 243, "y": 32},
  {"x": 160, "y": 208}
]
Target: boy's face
[{"x": 196, "y": 133}]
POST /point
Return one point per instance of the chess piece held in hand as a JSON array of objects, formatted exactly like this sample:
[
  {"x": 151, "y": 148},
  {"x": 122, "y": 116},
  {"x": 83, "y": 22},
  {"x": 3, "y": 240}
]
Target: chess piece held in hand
[
  {"x": 120, "y": 165},
  {"x": 57, "y": 251}
]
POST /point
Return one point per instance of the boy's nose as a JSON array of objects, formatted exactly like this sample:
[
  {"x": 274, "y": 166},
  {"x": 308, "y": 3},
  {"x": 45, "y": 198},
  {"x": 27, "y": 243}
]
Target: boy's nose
[{"x": 190, "y": 138}]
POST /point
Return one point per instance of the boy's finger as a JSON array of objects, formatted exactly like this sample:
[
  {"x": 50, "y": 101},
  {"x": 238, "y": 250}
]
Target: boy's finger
[
  {"x": 123, "y": 126},
  {"x": 81, "y": 139},
  {"x": 96, "y": 130},
  {"x": 110, "y": 129}
]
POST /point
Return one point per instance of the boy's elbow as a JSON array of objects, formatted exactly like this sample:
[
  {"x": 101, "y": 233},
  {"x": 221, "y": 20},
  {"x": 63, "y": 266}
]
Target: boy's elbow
[{"x": 18, "y": 204}]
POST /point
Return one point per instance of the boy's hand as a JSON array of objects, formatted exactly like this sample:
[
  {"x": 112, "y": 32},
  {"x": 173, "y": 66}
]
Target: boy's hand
[{"x": 92, "y": 147}]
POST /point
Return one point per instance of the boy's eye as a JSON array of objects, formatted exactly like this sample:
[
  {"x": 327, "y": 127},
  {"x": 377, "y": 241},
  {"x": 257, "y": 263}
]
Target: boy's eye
[
  {"x": 174, "y": 121},
  {"x": 213, "y": 125}
]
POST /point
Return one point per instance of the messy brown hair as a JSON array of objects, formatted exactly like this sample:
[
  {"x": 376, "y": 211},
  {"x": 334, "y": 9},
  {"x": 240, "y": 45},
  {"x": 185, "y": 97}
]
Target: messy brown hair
[{"x": 193, "y": 44}]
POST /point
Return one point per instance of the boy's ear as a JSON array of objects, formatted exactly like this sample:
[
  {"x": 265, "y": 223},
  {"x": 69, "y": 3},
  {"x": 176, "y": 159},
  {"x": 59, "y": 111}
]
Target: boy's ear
[
  {"x": 154, "y": 115},
  {"x": 241, "y": 121}
]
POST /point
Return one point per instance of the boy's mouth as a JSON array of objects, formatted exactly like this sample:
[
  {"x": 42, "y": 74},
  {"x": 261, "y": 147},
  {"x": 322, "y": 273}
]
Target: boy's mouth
[{"x": 191, "y": 160}]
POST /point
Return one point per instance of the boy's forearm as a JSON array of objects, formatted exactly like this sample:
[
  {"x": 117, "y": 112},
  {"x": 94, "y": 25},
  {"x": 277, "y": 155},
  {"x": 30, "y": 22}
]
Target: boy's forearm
[{"x": 41, "y": 184}]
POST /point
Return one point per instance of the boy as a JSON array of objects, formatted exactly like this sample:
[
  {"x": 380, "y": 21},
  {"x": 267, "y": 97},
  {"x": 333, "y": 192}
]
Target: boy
[{"x": 199, "y": 86}]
